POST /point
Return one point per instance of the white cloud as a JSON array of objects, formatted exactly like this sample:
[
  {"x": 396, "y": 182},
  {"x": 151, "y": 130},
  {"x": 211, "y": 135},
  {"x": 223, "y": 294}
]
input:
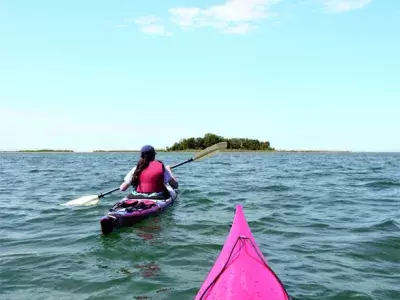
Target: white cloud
[
  {"x": 153, "y": 29},
  {"x": 234, "y": 16},
  {"x": 149, "y": 25},
  {"x": 339, "y": 6},
  {"x": 231, "y": 17},
  {"x": 146, "y": 20}
]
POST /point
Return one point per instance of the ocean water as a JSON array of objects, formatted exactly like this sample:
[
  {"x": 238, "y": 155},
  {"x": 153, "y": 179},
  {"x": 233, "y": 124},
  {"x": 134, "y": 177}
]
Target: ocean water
[{"x": 328, "y": 224}]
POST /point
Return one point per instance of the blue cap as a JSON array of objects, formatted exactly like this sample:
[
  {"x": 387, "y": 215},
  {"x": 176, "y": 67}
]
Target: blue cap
[{"x": 147, "y": 148}]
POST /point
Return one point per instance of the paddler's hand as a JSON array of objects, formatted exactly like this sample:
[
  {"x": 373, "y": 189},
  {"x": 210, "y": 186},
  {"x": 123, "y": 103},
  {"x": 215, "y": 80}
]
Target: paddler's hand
[
  {"x": 169, "y": 170},
  {"x": 173, "y": 182}
]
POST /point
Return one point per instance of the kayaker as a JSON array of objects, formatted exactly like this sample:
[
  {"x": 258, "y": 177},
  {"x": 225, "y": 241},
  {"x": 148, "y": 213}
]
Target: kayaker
[{"x": 149, "y": 176}]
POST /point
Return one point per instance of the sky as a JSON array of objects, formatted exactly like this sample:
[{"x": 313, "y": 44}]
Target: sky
[{"x": 302, "y": 74}]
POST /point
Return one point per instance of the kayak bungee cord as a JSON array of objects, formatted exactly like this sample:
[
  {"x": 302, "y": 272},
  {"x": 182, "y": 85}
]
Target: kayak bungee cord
[
  {"x": 268, "y": 267},
  {"x": 243, "y": 240},
  {"x": 222, "y": 270}
]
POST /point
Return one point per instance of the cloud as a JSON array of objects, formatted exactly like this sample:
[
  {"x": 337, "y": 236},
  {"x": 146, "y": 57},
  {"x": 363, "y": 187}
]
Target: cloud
[
  {"x": 231, "y": 17},
  {"x": 338, "y": 6},
  {"x": 153, "y": 29},
  {"x": 149, "y": 25},
  {"x": 146, "y": 20},
  {"x": 234, "y": 16}
]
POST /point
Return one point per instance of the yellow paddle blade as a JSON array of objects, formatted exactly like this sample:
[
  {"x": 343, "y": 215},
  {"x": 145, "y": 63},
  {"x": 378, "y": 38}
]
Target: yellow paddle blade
[
  {"x": 210, "y": 150},
  {"x": 83, "y": 201}
]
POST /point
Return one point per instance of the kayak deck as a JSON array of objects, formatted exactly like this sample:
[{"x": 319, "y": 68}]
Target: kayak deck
[
  {"x": 130, "y": 211},
  {"x": 241, "y": 271}
]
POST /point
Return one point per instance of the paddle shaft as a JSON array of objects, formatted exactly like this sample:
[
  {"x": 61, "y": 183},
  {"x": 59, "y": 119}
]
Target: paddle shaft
[
  {"x": 182, "y": 163},
  {"x": 109, "y": 192}
]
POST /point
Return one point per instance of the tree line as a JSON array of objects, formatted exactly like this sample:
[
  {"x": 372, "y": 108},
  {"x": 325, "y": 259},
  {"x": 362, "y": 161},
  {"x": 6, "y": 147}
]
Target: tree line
[{"x": 209, "y": 139}]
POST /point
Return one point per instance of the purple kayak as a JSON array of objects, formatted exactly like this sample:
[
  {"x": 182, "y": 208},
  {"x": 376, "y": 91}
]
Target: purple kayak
[{"x": 128, "y": 212}]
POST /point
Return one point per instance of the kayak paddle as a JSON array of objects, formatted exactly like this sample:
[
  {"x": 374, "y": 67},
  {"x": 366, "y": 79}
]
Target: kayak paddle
[
  {"x": 88, "y": 200},
  {"x": 94, "y": 199},
  {"x": 204, "y": 153}
]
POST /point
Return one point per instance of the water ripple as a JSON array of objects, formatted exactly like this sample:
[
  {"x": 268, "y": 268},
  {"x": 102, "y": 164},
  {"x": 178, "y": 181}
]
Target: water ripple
[{"x": 328, "y": 224}]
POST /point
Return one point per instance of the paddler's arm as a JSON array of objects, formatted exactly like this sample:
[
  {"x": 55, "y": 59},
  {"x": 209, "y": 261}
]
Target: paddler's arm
[
  {"x": 127, "y": 180},
  {"x": 171, "y": 179},
  {"x": 124, "y": 186}
]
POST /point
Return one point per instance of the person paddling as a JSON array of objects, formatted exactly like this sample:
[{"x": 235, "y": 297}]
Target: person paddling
[{"x": 150, "y": 176}]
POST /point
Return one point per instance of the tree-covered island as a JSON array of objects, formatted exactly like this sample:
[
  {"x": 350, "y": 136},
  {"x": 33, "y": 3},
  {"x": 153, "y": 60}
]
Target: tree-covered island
[{"x": 209, "y": 139}]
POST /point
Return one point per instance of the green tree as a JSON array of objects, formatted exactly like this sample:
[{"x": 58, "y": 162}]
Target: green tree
[
  {"x": 199, "y": 143},
  {"x": 191, "y": 143}
]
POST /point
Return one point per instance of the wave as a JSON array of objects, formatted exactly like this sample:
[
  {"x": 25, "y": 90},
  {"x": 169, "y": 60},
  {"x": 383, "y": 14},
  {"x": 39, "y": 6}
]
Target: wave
[
  {"x": 188, "y": 192},
  {"x": 350, "y": 295},
  {"x": 383, "y": 184},
  {"x": 43, "y": 171},
  {"x": 386, "y": 225},
  {"x": 274, "y": 188},
  {"x": 220, "y": 163}
]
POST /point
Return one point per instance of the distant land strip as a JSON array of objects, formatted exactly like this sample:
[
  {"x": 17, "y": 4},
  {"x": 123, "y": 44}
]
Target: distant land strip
[
  {"x": 46, "y": 150},
  {"x": 194, "y": 144}
]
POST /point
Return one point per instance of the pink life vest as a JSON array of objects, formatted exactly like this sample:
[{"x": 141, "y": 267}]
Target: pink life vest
[{"x": 151, "y": 180}]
